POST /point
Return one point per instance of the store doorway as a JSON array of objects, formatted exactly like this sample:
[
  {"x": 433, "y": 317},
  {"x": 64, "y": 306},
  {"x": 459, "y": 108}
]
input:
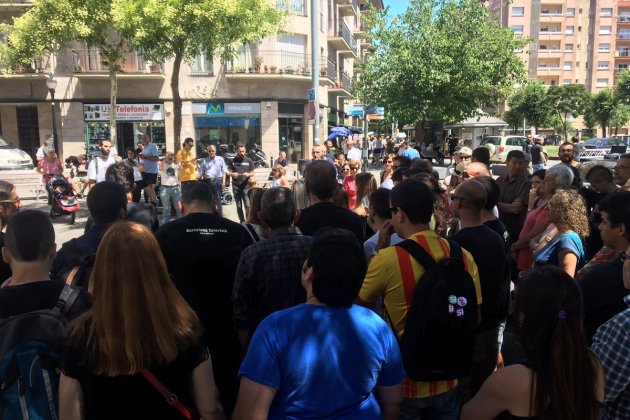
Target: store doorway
[
  {"x": 28, "y": 130},
  {"x": 128, "y": 135},
  {"x": 291, "y": 136}
]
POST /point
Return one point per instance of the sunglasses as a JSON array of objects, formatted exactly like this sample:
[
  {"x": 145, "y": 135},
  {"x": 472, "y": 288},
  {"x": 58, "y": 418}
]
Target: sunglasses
[{"x": 457, "y": 197}]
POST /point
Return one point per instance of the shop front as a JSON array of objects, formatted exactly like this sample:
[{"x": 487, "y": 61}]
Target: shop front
[
  {"x": 226, "y": 123},
  {"x": 132, "y": 121}
]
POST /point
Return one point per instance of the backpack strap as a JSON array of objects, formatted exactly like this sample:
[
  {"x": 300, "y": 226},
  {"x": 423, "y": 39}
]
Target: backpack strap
[
  {"x": 456, "y": 251},
  {"x": 66, "y": 299},
  {"x": 72, "y": 274},
  {"x": 417, "y": 252},
  {"x": 252, "y": 232}
]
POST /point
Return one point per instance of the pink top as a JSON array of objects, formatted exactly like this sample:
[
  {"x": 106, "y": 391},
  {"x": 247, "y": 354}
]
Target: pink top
[
  {"x": 350, "y": 185},
  {"x": 50, "y": 168},
  {"x": 538, "y": 215}
]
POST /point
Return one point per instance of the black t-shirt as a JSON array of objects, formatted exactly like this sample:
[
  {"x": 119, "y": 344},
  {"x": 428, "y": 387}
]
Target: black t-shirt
[
  {"x": 132, "y": 396},
  {"x": 22, "y": 298},
  {"x": 5, "y": 268},
  {"x": 490, "y": 254},
  {"x": 327, "y": 215},
  {"x": 241, "y": 165},
  {"x": 537, "y": 154},
  {"x": 602, "y": 292},
  {"x": 498, "y": 226},
  {"x": 202, "y": 252}
]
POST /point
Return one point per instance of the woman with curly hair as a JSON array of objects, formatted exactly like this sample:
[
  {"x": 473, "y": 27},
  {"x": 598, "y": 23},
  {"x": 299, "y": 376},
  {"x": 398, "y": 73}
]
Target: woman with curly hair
[{"x": 567, "y": 211}]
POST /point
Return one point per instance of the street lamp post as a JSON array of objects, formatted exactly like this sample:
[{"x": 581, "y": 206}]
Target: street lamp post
[{"x": 51, "y": 83}]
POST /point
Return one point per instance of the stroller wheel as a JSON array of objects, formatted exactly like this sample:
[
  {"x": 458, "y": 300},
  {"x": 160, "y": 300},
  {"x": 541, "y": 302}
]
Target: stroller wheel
[{"x": 73, "y": 217}]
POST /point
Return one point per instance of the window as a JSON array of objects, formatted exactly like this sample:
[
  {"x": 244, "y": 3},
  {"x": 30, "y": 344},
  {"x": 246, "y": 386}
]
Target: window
[
  {"x": 518, "y": 11},
  {"x": 569, "y": 30},
  {"x": 606, "y": 12},
  {"x": 568, "y": 47},
  {"x": 605, "y": 30},
  {"x": 201, "y": 65},
  {"x": 602, "y": 82},
  {"x": 297, "y": 7},
  {"x": 566, "y": 81},
  {"x": 517, "y": 29},
  {"x": 623, "y": 34},
  {"x": 604, "y": 48},
  {"x": 571, "y": 11},
  {"x": 603, "y": 65},
  {"x": 568, "y": 65}
]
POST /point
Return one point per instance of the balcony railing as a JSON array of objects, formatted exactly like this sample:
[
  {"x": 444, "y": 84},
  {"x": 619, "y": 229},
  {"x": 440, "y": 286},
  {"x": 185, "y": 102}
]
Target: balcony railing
[
  {"x": 297, "y": 7},
  {"x": 353, "y": 3},
  {"x": 90, "y": 61},
  {"x": 337, "y": 28},
  {"x": 620, "y": 69},
  {"x": 623, "y": 36},
  {"x": 328, "y": 68},
  {"x": 622, "y": 54},
  {"x": 623, "y": 19},
  {"x": 346, "y": 81},
  {"x": 271, "y": 62}
]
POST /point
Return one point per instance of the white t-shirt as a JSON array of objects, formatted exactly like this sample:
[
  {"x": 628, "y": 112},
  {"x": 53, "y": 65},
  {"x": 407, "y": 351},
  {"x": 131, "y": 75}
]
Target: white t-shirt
[
  {"x": 354, "y": 154},
  {"x": 96, "y": 170},
  {"x": 168, "y": 175}
]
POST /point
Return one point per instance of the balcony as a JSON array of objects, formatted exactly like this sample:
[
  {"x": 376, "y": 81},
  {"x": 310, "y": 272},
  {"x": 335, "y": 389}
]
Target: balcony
[
  {"x": 348, "y": 7},
  {"x": 340, "y": 37},
  {"x": 328, "y": 70},
  {"x": 296, "y": 7},
  {"x": 549, "y": 71},
  {"x": 623, "y": 37},
  {"x": 623, "y": 20},
  {"x": 550, "y": 52},
  {"x": 343, "y": 86},
  {"x": 88, "y": 63},
  {"x": 623, "y": 54},
  {"x": 618, "y": 70},
  {"x": 554, "y": 33}
]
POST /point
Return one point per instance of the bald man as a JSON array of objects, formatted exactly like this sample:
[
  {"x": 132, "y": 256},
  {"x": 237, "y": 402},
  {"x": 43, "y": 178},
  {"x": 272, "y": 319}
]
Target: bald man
[
  {"x": 490, "y": 253},
  {"x": 319, "y": 153}
]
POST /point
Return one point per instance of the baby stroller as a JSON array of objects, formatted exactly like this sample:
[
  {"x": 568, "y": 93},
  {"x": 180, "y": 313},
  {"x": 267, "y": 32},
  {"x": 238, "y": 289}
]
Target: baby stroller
[
  {"x": 226, "y": 197},
  {"x": 63, "y": 200}
]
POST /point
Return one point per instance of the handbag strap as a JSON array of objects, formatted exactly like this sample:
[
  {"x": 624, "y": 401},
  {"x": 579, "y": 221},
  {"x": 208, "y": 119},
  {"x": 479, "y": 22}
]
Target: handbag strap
[{"x": 168, "y": 395}]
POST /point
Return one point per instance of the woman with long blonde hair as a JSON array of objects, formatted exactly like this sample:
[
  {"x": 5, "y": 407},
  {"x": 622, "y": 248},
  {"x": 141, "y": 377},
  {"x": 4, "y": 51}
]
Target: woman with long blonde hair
[{"x": 138, "y": 325}]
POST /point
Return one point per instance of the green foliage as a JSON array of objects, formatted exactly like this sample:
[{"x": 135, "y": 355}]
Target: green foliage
[
  {"x": 441, "y": 60},
  {"x": 603, "y": 105},
  {"x": 590, "y": 118},
  {"x": 530, "y": 102},
  {"x": 620, "y": 116},
  {"x": 622, "y": 87},
  {"x": 566, "y": 100}
]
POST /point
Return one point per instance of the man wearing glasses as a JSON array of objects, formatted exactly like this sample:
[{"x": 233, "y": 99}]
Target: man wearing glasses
[
  {"x": 187, "y": 162},
  {"x": 9, "y": 206},
  {"x": 622, "y": 171}
]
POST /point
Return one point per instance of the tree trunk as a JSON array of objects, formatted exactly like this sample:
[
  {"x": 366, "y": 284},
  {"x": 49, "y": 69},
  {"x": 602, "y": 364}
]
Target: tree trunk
[
  {"x": 113, "y": 92},
  {"x": 604, "y": 124},
  {"x": 177, "y": 101},
  {"x": 564, "y": 126}
]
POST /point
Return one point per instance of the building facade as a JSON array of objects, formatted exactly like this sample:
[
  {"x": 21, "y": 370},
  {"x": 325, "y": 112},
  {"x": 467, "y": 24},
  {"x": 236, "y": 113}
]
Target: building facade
[{"x": 258, "y": 98}]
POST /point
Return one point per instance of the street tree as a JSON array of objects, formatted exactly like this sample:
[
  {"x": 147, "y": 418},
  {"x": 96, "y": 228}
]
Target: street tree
[
  {"x": 622, "y": 86},
  {"x": 566, "y": 100},
  {"x": 603, "y": 105},
  {"x": 620, "y": 117},
  {"x": 50, "y": 26},
  {"x": 183, "y": 29},
  {"x": 590, "y": 119},
  {"x": 530, "y": 101},
  {"x": 441, "y": 60}
]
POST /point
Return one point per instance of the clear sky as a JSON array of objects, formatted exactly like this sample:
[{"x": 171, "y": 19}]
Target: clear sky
[{"x": 396, "y": 7}]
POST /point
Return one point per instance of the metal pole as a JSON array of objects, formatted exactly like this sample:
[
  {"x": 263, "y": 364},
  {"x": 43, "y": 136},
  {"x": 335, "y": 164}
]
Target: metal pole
[
  {"x": 365, "y": 141},
  {"x": 524, "y": 127},
  {"x": 54, "y": 124},
  {"x": 315, "y": 65}
]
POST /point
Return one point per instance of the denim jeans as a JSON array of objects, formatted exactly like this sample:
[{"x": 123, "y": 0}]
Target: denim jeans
[
  {"x": 440, "y": 407},
  {"x": 217, "y": 191},
  {"x": 170, "y": 195},
  {"x": 242, "y": 202},
  {"x": 537, "y": 166}
]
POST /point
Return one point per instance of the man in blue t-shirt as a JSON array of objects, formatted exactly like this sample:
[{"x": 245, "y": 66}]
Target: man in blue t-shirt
[
  {"x": 410, "y": 152},
  {"x": 325, "y": 358}
]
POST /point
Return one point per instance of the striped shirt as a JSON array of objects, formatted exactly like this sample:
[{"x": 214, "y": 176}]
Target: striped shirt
[{"x": 384, "y": 278}]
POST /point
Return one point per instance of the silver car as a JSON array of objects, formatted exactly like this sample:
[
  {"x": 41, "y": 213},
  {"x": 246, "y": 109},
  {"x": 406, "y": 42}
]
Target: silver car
[{"x": 12, "y": 158}]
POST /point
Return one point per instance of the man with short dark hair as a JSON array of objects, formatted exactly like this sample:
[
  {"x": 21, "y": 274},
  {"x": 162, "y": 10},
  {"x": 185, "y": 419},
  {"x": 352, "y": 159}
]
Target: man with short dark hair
[
  {"x": 379, "y": 216},
  {"x": 482, "y": 155},
  {"x": 391, "y": 268},
  {"x": 265, "y": 279},
  {"x": 538, "y": 155},
  {"x": 514, "y": 187},
  {"x": 602, "y": 285},
  {"x": 566, "y": 153},
  {"x": 320, "y": 181},
  {"x": 150, "y": 159},
  {"x": 9, "y": 206},
  {"x": 326, "y": 358},
  {"x": 490, "y": 254},
  {"x": 187, "y": 161},
  {"x": 487, "y": 213},
  {"x": 98, "y": 166},
  {"x": 30, "y": 249},
  {"x": 622, "y": 171},
  {"x": 600, "y": 179},
  {"x": 107, "y": 203},
  {"x": 401, "y": 161},
  {"x": 202, "y": 251},
  {"x": 241, "y": 169}
]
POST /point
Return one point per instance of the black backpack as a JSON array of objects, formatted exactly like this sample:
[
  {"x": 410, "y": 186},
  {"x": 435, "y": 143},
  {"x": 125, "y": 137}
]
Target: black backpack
[
  {"x": 439, "y": 337},
  {"x": 30, "y": 346},
  {"x": 79, "y": 274}
]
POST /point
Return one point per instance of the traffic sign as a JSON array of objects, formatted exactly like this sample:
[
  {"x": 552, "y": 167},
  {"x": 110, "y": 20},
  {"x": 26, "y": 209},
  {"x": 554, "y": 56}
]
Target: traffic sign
[{"x": 311, "y": 94}]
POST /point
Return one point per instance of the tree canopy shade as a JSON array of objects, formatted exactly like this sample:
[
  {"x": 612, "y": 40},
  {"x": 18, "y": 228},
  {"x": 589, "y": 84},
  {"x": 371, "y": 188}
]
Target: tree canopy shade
[
  {"x": 183, "y": 29},
  {"x": 603, "y": 107},
  {"x": 441, "y": 60},
  {"x": 565, "y": 100},
  {"x": 622, "y": 87},
  {"x": 530, "y": 102}
]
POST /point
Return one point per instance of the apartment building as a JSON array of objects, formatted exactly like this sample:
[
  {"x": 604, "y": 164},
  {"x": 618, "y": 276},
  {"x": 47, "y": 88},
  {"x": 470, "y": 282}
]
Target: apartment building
[
  {"x": 259, "y": 97},
  {"x": 573, "y": 41}
]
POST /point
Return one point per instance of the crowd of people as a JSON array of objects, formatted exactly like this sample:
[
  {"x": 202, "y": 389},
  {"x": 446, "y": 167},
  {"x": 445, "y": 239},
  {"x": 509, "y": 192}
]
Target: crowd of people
[{"x": 306, "y": 307}]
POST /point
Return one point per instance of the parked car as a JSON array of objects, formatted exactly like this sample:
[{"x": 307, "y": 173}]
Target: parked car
[
  {"x": 12, "y": 158},
  {"x": 599, "y": 148},
  {"x": 500, "y": 146}
]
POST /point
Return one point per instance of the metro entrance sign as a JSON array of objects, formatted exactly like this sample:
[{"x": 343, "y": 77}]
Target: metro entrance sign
[{"x": 312, "y": 111}]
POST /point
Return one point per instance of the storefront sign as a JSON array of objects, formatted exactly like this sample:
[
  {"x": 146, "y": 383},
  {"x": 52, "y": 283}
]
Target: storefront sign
[
  {"x": 225, "y": 108},
  {"x": 124, "y": 112}
]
